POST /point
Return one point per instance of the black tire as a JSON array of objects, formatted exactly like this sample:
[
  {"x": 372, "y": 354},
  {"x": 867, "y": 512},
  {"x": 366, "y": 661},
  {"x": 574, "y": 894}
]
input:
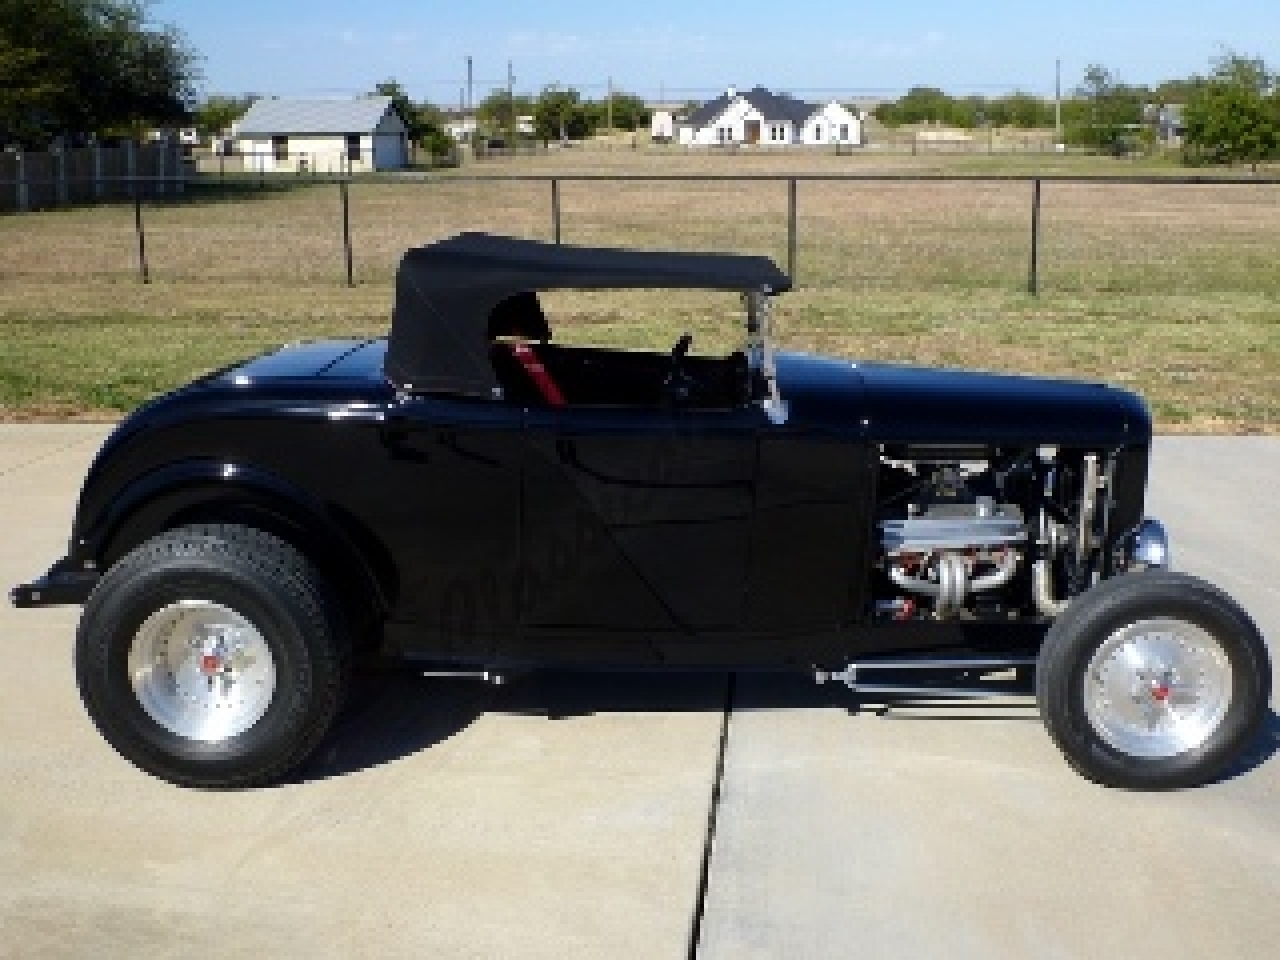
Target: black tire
[
  {"x": 274, "y": 588},
  {"x": 1096, "y": 615}
]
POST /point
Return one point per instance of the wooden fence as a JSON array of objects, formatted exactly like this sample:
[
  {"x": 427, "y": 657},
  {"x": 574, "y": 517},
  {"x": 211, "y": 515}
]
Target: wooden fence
[{"x": 71, "y": 177}]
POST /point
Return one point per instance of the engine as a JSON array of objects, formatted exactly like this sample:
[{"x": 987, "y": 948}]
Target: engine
[{"x": 992, "y": 537}]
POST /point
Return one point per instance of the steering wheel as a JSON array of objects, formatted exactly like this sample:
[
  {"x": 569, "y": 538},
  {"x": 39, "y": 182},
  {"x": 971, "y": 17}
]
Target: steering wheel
[{"x": 679, "y": 387}]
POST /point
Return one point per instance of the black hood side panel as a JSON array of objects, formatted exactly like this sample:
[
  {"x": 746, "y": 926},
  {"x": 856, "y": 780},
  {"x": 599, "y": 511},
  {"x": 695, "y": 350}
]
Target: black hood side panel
[{"x": 908, "y": 405}]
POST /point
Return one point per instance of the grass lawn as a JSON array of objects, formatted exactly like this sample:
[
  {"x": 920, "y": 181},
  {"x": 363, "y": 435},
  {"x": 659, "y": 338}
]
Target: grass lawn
[{"x": 1168, "y": 289}]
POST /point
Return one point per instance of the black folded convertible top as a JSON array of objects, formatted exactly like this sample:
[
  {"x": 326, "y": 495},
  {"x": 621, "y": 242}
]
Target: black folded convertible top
[{"x": 445, "y": 293}]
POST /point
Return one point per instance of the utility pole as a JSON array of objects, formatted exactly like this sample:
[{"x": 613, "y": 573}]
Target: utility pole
[
  {"x": 1057, "y": 101},
  {"x": 511, "y": 101},
  {"x": 470, "y": 87},
  {"x": 609, "y": 107}
]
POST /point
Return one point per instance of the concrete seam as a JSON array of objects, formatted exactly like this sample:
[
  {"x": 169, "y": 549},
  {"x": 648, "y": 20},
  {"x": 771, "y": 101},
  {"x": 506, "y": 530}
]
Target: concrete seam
[
  {"x": 42, "y": 457},
  {"x": 713, "y": 810}
]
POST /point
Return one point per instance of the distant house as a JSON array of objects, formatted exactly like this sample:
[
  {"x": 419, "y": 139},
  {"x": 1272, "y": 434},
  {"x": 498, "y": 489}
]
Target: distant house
[
  {"x": 1170, "y": 126},
  {"x": 185, "y": 136},
  {"x": 460, "y": 124},
  {"x": 327, "y": 136},
  {"x": 760, "y": 116},
  {"x": 662, "y": 126}
]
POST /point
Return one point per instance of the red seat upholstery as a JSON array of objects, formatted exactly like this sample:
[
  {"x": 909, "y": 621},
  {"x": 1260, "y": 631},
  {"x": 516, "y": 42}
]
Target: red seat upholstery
[{"x": 527, "y": 359}]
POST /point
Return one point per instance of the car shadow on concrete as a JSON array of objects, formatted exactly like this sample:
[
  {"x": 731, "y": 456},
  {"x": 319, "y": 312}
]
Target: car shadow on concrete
[
  {"x": 396, "y": 713},
  {"x": 392, "y": 714}
]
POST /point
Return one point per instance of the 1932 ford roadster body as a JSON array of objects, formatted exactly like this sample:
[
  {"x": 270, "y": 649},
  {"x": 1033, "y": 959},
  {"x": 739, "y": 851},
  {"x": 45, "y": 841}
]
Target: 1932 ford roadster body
[{"x": 467, "y": 494}]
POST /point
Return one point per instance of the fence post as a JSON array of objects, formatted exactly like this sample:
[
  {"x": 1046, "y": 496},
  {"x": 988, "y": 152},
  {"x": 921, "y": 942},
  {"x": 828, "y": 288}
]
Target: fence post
[
  {"x": 143, "y": 269},
  {"x": 555, "y": 210},
  {"x": 1033, "y": 277},
  {"x": 97, "y": 171},
  {"x": 791, "y": 229},
  {"x": 346, "y": 231},
  {"x": 131, "y": 165},
  {"x": 24, "y": 194},
  {"x": 60, "y": 176}
]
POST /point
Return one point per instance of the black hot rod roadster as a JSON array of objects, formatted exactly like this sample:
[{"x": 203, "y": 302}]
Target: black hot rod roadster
[{"x": 467, "y": 494}]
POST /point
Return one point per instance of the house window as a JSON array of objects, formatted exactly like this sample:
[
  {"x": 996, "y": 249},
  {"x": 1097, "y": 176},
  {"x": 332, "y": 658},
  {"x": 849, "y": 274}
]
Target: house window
[
  {"x": 817, "y": 132},
  {"x": 844, "y": 132},
  {"x": 353, "y": 148},
  {"x": 280, "y": 148}
]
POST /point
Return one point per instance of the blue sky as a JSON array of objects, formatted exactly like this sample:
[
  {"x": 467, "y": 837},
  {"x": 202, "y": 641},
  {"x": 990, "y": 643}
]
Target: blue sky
[{"x": 808, "y": 47}]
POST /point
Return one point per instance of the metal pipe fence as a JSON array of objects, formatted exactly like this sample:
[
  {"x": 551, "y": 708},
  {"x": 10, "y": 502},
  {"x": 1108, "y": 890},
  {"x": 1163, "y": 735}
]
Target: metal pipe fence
[{"x": 162, "y": 190}]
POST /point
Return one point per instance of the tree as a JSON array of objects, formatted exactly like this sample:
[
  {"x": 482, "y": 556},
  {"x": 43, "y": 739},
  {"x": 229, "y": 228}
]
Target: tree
[
  {"x": 78, "y": 67},
  {"x": 628, "y": 111},
  {"x": 560, "y": 114},
  {"x": 1234, "y": 117},
  {"x": 1108, "y": 112},
  {"x": 1248, "y": 73},
  {"x": 497, "y": 112},
  {"x": 1027, "y": 112},
  {"x": 216, "y": 114},
  {"x": 1178, "y": 91},
  {"x": 918, "y": 105}
]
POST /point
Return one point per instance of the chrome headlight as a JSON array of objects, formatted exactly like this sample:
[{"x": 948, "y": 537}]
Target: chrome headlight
[{"x": 1145, "y": 547}]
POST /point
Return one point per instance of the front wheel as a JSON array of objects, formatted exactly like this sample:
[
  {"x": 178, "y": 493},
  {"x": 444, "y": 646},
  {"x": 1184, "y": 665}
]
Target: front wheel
[
  {"x": 1153, "y": 681},
  {"x": 213, "y": 656}
]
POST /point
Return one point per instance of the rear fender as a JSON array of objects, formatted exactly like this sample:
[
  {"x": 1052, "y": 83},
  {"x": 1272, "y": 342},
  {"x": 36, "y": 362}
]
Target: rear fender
[{"x": 209, "y": 491}]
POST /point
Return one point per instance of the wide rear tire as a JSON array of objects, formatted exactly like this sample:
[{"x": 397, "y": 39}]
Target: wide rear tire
[
  {"x": 1153, "y": 681},
  {"x": 213, "y": 656}
]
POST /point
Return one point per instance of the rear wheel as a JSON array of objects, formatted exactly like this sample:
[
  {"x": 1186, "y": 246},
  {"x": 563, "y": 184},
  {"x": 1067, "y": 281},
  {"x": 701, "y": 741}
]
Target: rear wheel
[
  {"x": 1153, "y": 680},
  {"x": 213, "y": 656}
]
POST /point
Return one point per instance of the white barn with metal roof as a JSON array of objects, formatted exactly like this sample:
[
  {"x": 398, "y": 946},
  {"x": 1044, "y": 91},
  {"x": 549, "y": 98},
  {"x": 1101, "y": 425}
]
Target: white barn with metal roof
[{"x": 322, "y": 136}]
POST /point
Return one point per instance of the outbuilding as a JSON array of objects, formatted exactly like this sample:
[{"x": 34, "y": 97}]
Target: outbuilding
[{"x": 280, "y": 134}]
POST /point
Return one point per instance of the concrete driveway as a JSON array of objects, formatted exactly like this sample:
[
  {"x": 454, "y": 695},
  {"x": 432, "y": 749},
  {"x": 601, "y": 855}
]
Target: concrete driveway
[{"x": 566, "y": 816}]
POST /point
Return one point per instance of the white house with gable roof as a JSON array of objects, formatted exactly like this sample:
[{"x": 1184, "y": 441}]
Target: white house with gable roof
[
  {"x": 323, "y": 136},
  {"x": 760, "y": 116}
]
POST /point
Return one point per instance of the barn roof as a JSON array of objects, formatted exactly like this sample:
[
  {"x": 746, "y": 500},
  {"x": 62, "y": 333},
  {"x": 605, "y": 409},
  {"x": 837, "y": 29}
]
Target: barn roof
[{"x": 278, "y": 115}]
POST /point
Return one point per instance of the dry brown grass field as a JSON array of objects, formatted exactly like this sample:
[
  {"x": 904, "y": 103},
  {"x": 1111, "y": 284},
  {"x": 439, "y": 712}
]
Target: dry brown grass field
[{"x": 1169, "y": 289}]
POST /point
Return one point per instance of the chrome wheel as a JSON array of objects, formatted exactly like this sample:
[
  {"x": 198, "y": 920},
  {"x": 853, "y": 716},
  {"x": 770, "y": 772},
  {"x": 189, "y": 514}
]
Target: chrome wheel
[
  {"x": 1157, "y": 688},
  {"x": 201, "y": 670}
]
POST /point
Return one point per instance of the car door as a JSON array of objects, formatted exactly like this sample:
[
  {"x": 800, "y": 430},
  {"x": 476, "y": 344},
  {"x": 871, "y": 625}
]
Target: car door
[
  {"x": 449, "y": 505},
  {"x": 636, "y": 521}
]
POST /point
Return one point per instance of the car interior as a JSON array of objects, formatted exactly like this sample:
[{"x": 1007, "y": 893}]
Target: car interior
[{"x": 534, "y": 372}]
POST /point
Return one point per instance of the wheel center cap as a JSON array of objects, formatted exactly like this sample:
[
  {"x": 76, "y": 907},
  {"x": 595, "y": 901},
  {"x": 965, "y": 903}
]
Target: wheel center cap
[
  {"x": 1160, "y": 691},
  {"x": 210, "y": 664}
]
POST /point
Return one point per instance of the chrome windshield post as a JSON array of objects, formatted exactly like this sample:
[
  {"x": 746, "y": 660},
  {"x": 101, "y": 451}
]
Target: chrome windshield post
[{"x": 760, "y": 361}]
